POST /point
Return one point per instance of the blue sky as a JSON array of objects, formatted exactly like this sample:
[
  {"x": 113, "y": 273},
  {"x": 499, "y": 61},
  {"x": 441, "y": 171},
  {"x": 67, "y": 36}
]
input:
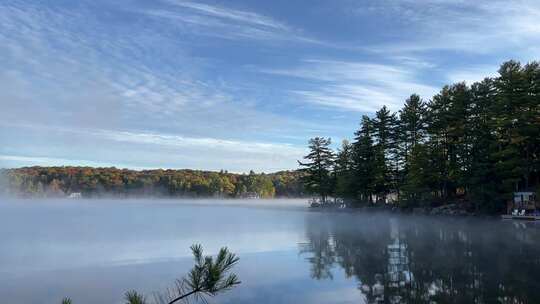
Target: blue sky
[{"x": 234, "y": 85}]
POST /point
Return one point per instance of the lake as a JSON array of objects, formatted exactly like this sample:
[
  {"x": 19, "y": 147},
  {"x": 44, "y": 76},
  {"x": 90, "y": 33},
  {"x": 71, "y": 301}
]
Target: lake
[{"x": 94, "y": 251}]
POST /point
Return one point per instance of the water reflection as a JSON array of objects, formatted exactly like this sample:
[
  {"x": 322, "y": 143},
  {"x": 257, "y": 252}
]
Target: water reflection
[
  {"x": 95, "y": 251},
  {"x": 427, "y": 260}
]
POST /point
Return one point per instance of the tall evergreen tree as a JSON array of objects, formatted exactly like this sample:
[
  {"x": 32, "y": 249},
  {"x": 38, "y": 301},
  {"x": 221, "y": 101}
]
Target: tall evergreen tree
[
  {"x": 531, "y": 124},
  {"x": 481, "y": 177},
  {"x": 412, "y": 125},
  {"x": 510, "y": 104},
  {"x": 318, "y": 168},
  {"x": 364, "y": 162},
  {"x": 416, "y": 189},
  {"x": 447, "y": 114},
  {"x": 384, "y": 133},
  {"x": 411, "y": 133},
  {"x": 344, "y": 171}
]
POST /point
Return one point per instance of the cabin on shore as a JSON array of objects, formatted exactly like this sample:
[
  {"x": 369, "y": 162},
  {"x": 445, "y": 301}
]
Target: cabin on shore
[
  {"x": 75, "y": 195},
  {"x": 524, "y": 197},
  {"x": 523, "y": 200},
  {"x": 524, "y": 205},
  {"x": 251, "y": 195}
]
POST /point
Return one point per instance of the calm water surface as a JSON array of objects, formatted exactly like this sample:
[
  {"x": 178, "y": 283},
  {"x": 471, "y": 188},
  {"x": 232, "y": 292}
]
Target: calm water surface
[{"x": 94, "y": 251}]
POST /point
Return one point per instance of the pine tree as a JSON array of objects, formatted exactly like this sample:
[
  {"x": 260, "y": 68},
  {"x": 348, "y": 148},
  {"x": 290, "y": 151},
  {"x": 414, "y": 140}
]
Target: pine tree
[
  {"x": 447, "y": 116},
  {"x": 319, "y": 167},
  {"x": 412, "y": 126},
  {"x": 511, "y": 98},
  {"x": 411, "y": 133},
  {"x": 384, "y": 133},
  {"x": 416, "y": 189},
  {"x": 482, "y": 178},
  {"x": 363, "y": 162},
  {"x": 344, "y": 171},
  {"x": 460, "y": 137},
  {"x": 530, "y": 124}
]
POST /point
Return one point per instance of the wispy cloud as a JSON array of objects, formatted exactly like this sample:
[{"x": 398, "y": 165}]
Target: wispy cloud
[
  {"x": 228, "y": 23},
  {"x": 473, "y": 74},
  {"x": 21, "y": 160},
  {"x": 232, "y": 14},
  {"x": 89, "y": 79},
  {"x": 52, "y": 73},
  {"x": 173, "y": 150},
  {"x": 286, "y": 150},
  {"x": 165, "y": 80},
  {"x": 357, "y": 86},
  {"x": 170, "y": 140},
  {"x": 477, "y": 27}
]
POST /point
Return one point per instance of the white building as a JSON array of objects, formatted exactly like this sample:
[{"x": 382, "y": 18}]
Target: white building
[
  {"x": 75, "y": 195},
  {"x": 524, "y": 197}
]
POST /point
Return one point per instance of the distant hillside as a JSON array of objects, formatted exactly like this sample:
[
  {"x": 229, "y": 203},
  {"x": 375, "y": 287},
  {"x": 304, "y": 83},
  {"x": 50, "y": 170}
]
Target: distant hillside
[{"x": 96, "y": 182}]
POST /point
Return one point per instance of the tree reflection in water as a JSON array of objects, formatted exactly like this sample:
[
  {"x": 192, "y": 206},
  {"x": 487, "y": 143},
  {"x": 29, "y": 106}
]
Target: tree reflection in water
[{"x": 408, "y": 259}]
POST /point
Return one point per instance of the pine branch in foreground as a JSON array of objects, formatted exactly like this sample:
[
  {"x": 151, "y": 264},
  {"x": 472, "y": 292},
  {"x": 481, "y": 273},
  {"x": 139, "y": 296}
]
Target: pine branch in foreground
[{"x": 209, "y": 277}]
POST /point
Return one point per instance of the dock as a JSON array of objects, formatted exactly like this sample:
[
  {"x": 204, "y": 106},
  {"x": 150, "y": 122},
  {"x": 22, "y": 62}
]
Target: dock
[{"x": 527, "y": 217}]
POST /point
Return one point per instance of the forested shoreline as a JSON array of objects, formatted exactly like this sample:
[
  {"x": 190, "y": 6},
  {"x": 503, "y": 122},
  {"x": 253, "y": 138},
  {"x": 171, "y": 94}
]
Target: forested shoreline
[
  {"x": 113, "y": 182},
  {"x": 473, "y": 145}
]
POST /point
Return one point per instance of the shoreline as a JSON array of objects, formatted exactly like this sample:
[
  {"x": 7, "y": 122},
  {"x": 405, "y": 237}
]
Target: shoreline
[{"x": 448, "y": 210}]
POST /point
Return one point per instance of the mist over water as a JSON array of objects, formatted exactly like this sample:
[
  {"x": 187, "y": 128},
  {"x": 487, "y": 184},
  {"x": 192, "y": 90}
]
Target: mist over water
[
  {"x": 95, "y": 250},
  {"x": 3, "y": 182}
]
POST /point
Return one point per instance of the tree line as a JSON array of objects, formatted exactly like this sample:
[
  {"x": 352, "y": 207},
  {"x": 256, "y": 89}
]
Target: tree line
[
  {"x": 473, "y": 144},
  {"x": 95, "y": 182}
]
